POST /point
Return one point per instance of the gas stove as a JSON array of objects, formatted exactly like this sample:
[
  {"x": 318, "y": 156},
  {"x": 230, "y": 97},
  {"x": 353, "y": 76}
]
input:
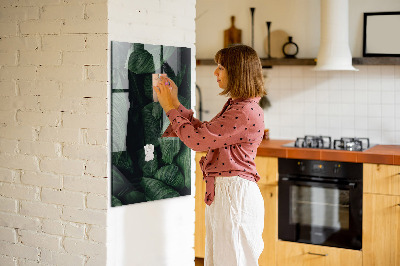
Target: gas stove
[{"x": 325, "y": 142}]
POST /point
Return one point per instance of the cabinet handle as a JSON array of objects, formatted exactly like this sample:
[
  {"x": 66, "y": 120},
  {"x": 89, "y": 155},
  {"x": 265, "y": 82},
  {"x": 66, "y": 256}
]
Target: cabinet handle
[
  {"x": 398, "y": 204},
  {"x": 318, "y": 254}
]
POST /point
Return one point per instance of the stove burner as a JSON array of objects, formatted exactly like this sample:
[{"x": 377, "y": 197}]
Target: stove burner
[
  {"x": 308, "y": 141},
  {"x": 351, "y": 144},
  {"x": 324, "y": 142}
]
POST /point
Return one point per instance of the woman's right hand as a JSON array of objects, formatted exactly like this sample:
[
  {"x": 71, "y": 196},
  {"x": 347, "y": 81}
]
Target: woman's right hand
[{"x": 174, "y": 91}]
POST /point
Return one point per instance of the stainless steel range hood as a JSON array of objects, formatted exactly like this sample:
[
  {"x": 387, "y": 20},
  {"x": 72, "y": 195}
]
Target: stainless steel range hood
[{"x": 334, "y": 51}]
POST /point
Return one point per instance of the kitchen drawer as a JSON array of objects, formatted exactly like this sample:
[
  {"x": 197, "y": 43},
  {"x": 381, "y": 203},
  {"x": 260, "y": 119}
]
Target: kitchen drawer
[
  {"x": 298, "y": 254},
  {"x": 381, "y": 179}
]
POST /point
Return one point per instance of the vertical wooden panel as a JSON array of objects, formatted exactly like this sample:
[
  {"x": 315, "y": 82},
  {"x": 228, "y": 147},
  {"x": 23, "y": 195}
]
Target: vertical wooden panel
[
  {"x": 381, "y": 230},
  {"x": 270, "y": 233},
  {"x": 200, "y": 206}
]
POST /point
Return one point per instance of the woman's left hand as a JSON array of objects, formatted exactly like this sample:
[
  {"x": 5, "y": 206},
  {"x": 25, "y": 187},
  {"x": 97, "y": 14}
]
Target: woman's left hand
[{"x": 163, "y": 91}]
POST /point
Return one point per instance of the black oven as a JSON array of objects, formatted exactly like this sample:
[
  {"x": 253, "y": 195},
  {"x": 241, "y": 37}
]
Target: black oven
[{"x": 320, "y": 202}]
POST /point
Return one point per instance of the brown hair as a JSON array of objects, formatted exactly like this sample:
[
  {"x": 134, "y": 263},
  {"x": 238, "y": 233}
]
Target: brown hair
[{"x": 245, "y": 78}]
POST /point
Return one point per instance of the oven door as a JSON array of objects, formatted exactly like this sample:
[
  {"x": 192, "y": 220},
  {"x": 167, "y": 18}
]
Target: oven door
[{"x": 320, "y": 212}]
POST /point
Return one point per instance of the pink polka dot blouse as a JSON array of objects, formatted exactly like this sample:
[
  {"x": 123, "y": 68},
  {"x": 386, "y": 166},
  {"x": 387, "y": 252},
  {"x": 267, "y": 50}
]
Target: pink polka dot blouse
[{"x": 231, "y": 139}]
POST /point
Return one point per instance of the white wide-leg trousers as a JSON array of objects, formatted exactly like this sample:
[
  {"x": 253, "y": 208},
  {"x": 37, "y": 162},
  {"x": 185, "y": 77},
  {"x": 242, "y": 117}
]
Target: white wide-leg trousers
[{"x": 234, "y": 223}]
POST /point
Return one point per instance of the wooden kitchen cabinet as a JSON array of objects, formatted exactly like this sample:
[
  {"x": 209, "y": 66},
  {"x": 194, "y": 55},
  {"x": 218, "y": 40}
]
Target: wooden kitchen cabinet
[
  {"x": 381, "y": 230},
  {"x": 267, "y": 168},
  {"x": 381, "y": 179},
  {"x": 298, "y": 254},
  {"x": 381, "y": 215}
]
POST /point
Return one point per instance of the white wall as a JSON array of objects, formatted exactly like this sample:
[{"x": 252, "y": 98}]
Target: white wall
[
  {"x": 298, "y": 18},
  {"x": 338, "y": 104},
  {"x": 158, "y": 232},
  {"x": 53, "y": 121}
]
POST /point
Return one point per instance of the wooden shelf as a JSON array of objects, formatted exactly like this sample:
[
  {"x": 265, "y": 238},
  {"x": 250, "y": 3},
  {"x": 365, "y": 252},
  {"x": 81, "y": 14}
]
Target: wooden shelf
[
  {"x": 267, "y": 63},
  {"x": 312, "y": 61},
  {"x": 376, "y": 61},
  {"x": 288, "y": 62}
]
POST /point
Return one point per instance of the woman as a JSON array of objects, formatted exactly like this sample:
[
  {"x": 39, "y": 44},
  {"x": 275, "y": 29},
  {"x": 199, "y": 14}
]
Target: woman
[{"x": 235, "y": 207}]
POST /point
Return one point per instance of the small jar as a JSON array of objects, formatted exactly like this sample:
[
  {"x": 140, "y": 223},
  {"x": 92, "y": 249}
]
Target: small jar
[{"x": 266, "y": 134}]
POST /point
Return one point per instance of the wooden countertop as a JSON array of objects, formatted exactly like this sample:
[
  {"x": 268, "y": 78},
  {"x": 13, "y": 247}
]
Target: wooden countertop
[{"x": 379, "y": 154}]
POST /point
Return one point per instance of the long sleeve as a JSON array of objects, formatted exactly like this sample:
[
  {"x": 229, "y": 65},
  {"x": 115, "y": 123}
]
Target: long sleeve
[
  {"x": 186, "y": 113},
  {"x": 225, "y": 130},
  {"x": 189, "y": 115}
]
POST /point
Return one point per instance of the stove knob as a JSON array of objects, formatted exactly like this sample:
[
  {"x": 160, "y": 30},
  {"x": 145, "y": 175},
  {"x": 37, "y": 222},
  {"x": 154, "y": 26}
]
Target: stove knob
[
  {"x": 336, "y": 169},
  {"x": 301, "y": 166}
]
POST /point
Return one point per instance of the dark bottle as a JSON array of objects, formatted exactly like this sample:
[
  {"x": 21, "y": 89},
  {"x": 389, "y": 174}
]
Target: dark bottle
[{"x": 290, "y": 49}]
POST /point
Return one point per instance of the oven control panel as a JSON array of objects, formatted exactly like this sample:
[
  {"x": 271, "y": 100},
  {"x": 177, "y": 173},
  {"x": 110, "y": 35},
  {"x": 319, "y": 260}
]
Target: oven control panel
[{"x": 330, "y": 169}]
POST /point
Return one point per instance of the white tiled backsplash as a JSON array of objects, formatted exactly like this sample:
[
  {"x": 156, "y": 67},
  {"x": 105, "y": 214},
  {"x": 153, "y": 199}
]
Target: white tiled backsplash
[{"x": 331, "y": 103}]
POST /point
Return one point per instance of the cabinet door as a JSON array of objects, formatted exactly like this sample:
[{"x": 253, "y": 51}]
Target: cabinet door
[
  {"x": 297, "y": 254},
  {"x": 381, "y": 230},
  {"x": 381, "y": 179},
  {"x": 267, "y": 168},
  {"x": 200, "y": 207},
  {"x": 270, "y": 233}
]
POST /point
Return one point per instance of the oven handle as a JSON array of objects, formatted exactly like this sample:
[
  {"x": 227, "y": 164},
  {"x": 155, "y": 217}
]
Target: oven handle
[{"x": 296, "y": 181}]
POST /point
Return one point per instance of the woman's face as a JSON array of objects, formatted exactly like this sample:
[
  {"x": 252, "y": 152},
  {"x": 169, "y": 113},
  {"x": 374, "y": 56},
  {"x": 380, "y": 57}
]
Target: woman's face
[{"x": 222, "y": 76}]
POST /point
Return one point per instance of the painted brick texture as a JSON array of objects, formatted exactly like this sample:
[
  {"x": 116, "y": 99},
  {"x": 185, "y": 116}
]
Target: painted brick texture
[{"x": 53, "y": 121}]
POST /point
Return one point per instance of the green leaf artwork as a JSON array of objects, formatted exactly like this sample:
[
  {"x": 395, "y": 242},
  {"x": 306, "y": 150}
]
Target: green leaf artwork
[
  {"x": 148, "y": 87},
  {"x": 183, "y": 162},
  {"x": 141, "y": 61},
  {"x": 171, "y": 175},
  {"x": 155, "y": 189},
  {"x": 169, "y": 148},
  {"x": 115, "y": 201},
  {"x": 134, "y": 196},
  {"x": 152, "y": 125},
  {"x": 145, "y": 165}
]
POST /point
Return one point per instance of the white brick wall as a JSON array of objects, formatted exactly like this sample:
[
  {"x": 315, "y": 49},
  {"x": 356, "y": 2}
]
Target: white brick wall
[
  {"x": 75, "y": 230},
  {"x": 8, "y": 205},
  {"x": 53, "y": 120},
  {"x": 8, "y": 234},
  {"x": 41, "y": 179},
  {"x": 53, "y": 227},
  {"x": 7, "y": 175},
  {"x": 95, "y": 233},
  {"x": 61, "y": 258}
]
